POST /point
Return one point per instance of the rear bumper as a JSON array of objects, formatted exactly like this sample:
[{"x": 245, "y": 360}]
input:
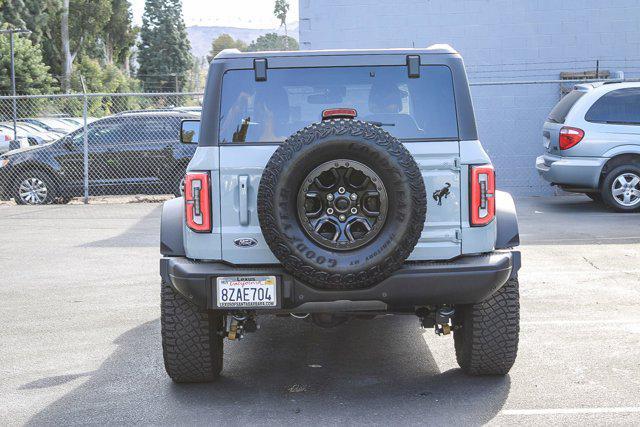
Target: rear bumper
[
  {"x": 571, "y": 171},
  {"x": 465, "y": 280}
]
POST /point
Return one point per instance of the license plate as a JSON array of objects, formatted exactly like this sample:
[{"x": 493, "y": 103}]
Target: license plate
[{"x": 246, "y": 292}]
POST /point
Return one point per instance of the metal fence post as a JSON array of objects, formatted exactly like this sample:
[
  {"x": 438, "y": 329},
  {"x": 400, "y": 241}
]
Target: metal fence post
[
  {"x": 85, "y": 157},
  {"x": 13, "y": 89}
]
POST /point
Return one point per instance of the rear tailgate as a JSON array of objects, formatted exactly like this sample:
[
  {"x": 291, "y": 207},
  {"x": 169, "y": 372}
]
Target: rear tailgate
[
  {"x": 440, "y": 166},
  {"x": 257, "y": 116}
]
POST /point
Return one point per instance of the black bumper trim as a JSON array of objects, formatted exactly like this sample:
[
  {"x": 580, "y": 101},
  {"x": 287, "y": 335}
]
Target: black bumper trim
[{"x": 465, "y": 280}]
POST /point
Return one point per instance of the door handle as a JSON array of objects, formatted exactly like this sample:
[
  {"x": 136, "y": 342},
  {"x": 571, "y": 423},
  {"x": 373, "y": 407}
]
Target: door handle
[{"x": 243, "y": 191}]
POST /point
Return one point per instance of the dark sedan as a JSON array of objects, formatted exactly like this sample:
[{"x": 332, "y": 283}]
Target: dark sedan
[{"x": 130, "y": 153}]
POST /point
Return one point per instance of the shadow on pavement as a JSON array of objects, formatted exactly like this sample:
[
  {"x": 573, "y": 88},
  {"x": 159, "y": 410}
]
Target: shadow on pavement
[
  {"x": 574, "y": 220},
  {"x": 144, "y": 233},
  {"x": 376, "y": 371}
]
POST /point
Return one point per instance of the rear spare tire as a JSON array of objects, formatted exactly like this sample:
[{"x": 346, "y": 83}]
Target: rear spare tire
[{"x": 341, "y": 204}]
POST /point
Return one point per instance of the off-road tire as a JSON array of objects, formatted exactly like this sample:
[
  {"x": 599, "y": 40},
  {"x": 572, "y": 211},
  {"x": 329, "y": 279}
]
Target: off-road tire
[
  {"x": 607, "y": 195},
  {"x": 47, "y": 179},
  {"x": 596, "y": 197},
  {"x": 286, "y": 172},
  {"x": 486, "y": 333},
  {"x": 191, "y": 346}
]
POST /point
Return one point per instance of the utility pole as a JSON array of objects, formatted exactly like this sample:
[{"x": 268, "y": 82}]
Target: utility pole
[{"x": 11, "y": 32}]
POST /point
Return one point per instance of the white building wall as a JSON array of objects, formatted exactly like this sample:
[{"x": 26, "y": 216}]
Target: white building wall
[{"x": 500, "y": 41}]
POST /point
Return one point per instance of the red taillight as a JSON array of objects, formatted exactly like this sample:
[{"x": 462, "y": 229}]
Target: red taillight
[
  {"x": 339, "y": 113},
  {"x": 483, "y": 190},
  {"x": 569, "y": 137},
  {"x": 197, "y": 201}
]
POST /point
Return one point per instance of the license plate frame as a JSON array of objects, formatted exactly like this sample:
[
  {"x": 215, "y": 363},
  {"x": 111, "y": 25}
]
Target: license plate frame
[{"x": 241, "y": 287}]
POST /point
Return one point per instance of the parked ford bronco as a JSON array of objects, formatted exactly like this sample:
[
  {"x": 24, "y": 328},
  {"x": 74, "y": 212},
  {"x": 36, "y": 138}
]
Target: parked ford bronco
[{"x": 336, "y": 184}]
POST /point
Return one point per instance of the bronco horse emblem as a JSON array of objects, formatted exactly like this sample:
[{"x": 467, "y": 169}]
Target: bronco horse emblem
[{"x": 443, "y": 192}]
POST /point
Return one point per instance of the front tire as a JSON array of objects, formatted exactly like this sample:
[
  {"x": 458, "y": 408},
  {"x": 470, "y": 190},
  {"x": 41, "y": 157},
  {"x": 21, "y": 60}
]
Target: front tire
[
  {"x": 487, "y": 333},
  {"x": 191, "y": 345},
  {"x": 34, "y": 187},
  {"x": 621, "y": 188}
]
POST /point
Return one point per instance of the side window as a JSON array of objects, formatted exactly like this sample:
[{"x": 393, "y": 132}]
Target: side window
[
  {"x": 160, "y": 129},
  {"x": 105, "y": 132},
  {"x": 620, "y": 106}
]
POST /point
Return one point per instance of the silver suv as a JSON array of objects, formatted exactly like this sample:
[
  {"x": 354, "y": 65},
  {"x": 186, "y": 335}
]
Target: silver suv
[{"x": 592, "y": 143}]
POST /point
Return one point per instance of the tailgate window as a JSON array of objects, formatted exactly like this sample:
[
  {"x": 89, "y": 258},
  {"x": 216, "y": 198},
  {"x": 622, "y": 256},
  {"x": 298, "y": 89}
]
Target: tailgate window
[
  {"x": 269, "y": 111},
  {"x": 562, "y": 108}
]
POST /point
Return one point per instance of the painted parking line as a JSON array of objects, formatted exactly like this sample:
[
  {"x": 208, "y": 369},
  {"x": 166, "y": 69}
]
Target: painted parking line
[
  {"x": 573, "y": 411},
  {"x": 580, "y": 322}
]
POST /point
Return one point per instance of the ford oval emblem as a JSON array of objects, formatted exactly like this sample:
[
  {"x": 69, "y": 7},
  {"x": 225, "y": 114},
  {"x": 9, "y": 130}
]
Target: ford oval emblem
[{"x": 246, "y": 242}]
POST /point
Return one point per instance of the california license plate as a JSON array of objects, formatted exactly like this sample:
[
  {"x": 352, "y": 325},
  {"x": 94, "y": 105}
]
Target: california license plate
[{"x": 246, "y": 292}]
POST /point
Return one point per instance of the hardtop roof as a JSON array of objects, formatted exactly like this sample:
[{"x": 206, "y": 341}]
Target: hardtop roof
[{"x": 431, "y": 50}]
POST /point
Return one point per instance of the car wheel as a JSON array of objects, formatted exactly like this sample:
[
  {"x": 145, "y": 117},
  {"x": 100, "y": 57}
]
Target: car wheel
[
  {"x": 486, "y": 334},
  {"x": 34, "y": 188},
  {"x": 341, "y": 204},
  {"x": 621, "y": 188},
  {"x": 596, "y": 197},
  {"x": 192, "y": 346}
]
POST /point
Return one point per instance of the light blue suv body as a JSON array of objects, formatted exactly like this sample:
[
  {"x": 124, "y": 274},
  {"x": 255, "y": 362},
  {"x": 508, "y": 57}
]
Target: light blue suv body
[
  {"x": 333, "y": 185},
  {"x": 592, "y": 132}
]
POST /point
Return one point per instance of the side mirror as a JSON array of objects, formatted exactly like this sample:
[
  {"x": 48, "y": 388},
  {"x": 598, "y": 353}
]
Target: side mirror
[{"x": 190, "y": 131}]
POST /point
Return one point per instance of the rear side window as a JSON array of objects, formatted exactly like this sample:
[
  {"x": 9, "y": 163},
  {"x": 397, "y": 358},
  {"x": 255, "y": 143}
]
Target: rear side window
[
  {"x": 562, "y": 108},
  {"x": 620, "y": 106},
  {"x": 166, "y": 128},
  {"x": 290, "y": 99}
]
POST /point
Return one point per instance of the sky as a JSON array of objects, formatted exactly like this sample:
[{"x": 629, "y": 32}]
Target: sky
[{"x": 227, "y": 13}]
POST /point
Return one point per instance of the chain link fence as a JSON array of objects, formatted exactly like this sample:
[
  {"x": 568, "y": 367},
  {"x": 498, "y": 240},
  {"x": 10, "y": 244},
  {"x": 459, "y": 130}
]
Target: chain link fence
[
  {"x": 97, "y": 146},
  {"x": 86, "y": 146}
]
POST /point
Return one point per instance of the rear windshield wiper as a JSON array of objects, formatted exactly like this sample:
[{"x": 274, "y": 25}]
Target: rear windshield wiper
[
  {"x": 617, "y": 122},
  {"x": 380, "y": 124}
]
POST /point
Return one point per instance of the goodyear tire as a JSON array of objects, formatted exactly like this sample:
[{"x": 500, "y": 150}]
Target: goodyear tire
[
  {"x": 191, "y": 346},
  {"x": 487, "y": 333},
  {"x": 341, "y": 204}
]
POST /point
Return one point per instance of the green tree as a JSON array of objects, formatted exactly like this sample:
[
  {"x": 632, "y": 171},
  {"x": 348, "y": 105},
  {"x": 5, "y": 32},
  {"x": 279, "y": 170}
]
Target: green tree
[
  {"x": 40, "y": 17},
  {"x": 120, "y": 36},
  {"x": 280, "y": 11},
  {"x": 272, "y": 41},
  {"x": 82, "y": 22},
  {"x": 164, "y": 51},
  {"x": 225, "y": 41},
  {"x": 14, "y": 12},
  {"x": 32, "y": 75}
]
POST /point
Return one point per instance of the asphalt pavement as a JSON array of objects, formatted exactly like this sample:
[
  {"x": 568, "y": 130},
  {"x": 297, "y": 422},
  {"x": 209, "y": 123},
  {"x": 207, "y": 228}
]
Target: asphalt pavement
[{"x": 80, "y": 335}]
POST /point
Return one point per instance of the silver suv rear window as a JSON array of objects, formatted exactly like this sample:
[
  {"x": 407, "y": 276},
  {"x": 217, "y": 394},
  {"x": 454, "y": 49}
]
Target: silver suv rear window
[
  {"x": 269, "y": 111},
  {"x": 562, "y": 108}
]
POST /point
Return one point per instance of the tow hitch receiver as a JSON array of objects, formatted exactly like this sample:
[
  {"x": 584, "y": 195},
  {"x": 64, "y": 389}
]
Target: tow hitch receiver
[
  {"x": 236, "y": 325},
  {"x": 440, "y": 319}
]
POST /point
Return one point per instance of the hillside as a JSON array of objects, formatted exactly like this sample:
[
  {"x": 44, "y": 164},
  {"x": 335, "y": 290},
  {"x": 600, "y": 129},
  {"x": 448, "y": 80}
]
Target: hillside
[{"x": 201, "y": 37}]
